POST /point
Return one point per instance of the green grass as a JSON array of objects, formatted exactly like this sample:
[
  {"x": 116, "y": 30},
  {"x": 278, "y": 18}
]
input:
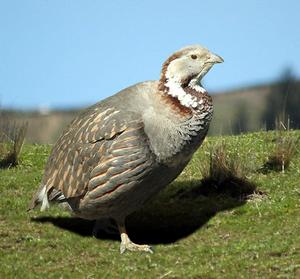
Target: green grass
[{"x": 194, "y": 235}]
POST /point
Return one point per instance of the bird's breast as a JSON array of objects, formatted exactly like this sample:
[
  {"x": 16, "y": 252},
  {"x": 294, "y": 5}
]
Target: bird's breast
[{"x": 174, "y": 137}]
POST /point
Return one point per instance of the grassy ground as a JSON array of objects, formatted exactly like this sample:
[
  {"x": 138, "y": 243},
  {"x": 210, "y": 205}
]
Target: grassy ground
[{"x": 194, "y": 235}]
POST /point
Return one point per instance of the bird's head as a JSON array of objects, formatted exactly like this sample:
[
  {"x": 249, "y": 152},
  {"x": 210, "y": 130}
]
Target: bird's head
[{"x": 184, "y": 70}]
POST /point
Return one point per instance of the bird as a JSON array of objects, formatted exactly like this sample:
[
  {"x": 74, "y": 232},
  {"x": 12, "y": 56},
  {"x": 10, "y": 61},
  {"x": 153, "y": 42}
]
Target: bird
[{"x": 119, "y": 153}]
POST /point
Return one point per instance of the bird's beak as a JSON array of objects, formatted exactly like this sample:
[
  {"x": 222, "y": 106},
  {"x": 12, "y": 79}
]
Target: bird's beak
[{"x": 214, "y": 58}]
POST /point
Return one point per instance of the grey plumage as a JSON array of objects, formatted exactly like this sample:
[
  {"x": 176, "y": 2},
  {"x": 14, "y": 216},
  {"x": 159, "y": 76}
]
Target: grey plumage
[{"x": 120, "y": 152}]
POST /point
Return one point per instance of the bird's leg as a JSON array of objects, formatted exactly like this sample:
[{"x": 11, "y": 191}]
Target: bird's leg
[{"x": 127, "y": 244}]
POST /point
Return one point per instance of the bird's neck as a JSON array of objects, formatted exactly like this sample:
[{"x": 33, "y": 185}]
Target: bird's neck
[
  {"x": 184, "y": 127},
  {"x": 186, "y": 97}
]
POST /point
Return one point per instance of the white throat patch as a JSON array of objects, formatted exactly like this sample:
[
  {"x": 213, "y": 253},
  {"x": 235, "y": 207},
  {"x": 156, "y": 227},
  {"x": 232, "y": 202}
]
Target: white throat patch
[
  {"x": 193, "y": 84},
  {"x": 185, "y": 99}
]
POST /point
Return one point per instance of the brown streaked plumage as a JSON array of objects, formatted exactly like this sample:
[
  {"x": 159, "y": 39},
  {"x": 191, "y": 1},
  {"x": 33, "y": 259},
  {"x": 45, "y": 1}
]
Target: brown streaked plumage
[{"x": 120, "y": 152}]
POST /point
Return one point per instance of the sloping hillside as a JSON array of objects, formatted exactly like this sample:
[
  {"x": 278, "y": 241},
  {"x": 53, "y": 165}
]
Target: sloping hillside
[
  {"x": 196, "y": 232},
  {"x": 234, "y": 112},
  {"x": 240, "y": 110}
]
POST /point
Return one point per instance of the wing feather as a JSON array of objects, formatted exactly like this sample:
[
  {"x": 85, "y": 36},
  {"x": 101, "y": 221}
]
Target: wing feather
[{"x": 98, "y": 153}]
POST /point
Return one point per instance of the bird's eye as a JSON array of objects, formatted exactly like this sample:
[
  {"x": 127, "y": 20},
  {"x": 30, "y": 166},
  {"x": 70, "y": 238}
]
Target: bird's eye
[{"x": 193, "y": 56}]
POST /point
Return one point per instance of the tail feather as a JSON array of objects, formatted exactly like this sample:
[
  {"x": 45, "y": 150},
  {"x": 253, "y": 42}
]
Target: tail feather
[{"x": 41, "y": 196}]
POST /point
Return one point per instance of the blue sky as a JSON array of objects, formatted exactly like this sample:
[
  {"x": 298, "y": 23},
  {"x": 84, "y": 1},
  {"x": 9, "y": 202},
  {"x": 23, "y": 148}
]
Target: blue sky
[{"x": 57, "y": 53}]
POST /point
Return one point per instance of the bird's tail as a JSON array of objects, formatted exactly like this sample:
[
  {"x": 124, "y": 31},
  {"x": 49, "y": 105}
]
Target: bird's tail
[{"x": 41, "y": 196}]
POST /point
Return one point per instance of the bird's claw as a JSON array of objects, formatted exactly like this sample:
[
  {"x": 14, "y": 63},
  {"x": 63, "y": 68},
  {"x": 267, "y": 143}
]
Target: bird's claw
[
  {"x": 130, "y": 246},
  {"x": 127, "y": 244}
]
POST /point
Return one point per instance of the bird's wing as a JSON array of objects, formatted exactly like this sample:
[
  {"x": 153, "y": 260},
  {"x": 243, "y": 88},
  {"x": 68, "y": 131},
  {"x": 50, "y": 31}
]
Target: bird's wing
[
  {"x": 98, "y": 149},
  {"x": 126, "y": 162}
]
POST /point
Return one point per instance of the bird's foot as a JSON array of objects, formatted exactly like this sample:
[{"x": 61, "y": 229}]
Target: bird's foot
[
  {"x": 131, "y": 246},
  {"x": 127, "y": 244}
]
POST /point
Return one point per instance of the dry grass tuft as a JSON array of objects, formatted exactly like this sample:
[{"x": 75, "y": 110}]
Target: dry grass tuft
[
  {"x": 226, "y": 174},
  {"x": 12, "y": 137},
  {"x": 285, "y": 148},
  {"x": 284, "y": 151}
]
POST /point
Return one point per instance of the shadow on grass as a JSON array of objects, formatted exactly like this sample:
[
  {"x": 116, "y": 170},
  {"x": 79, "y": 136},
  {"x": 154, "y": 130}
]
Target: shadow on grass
[
  {"x": 9, "y": 161},
  {"x": 177, "y": 212}
]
